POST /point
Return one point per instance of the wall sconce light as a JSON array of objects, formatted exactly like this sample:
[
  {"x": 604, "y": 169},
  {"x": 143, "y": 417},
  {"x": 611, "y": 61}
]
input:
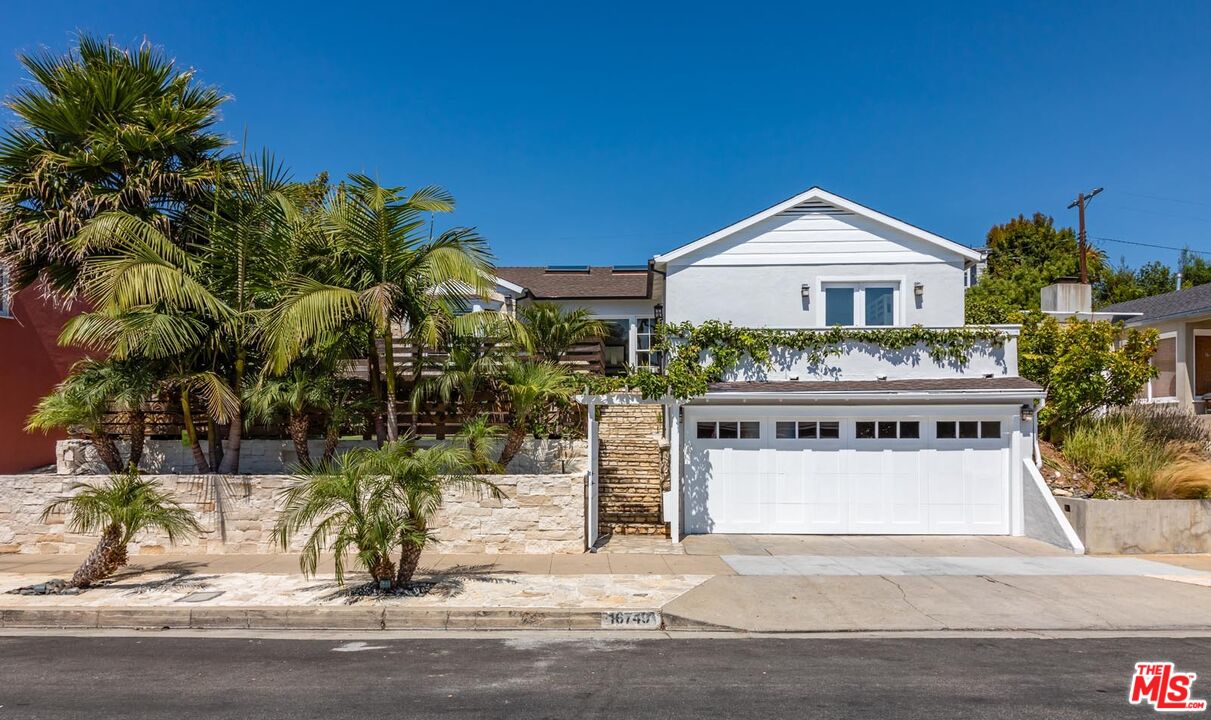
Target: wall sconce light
[
  {"x": 806, "y": 291},
  {"x": 918, "y": 289},
  {"x": 1027, "y": 413},
  {"x": 658, "y": 314}
]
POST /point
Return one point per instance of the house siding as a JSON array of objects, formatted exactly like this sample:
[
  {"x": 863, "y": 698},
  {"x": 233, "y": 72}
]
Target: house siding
[{"x": 771, "y": 295}]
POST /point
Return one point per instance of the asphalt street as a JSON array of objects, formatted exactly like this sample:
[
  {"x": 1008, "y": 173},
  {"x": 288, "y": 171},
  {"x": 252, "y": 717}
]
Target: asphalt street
[{"x": 541, "y": 676}]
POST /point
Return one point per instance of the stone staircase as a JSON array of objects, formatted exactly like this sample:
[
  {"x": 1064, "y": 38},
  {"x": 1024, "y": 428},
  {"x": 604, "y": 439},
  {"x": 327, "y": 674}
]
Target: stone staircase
[{"x": 632, "y": 469}]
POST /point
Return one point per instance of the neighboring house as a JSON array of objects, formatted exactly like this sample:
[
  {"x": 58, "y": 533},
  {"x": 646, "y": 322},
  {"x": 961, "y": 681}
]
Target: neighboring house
[
  {"x": 873, "y": 441},
  {"x": 1183, "y": 356},
  {"x": 31, "y": 363},
  {"x": 627, "y": 298}
]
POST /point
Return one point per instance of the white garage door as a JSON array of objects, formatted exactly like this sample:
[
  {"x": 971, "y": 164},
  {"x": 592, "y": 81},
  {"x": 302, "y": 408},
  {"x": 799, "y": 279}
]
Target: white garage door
[{"x": 812, "y": 472}]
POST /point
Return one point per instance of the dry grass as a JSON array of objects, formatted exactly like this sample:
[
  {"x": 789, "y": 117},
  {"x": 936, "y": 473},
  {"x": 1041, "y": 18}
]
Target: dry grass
[{"x": 1188, "y": 478}]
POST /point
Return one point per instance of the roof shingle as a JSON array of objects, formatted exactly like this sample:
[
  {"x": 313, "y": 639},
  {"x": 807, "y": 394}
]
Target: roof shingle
[
  {"x": 1190, "y": 301},
  {"x": 593, "y": 282}
]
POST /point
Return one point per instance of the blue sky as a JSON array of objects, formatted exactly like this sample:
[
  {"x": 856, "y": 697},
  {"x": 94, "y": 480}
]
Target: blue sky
[{"x": 575, "y": 133}]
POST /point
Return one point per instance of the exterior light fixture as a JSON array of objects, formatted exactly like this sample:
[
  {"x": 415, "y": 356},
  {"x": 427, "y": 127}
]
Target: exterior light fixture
[
  {"x": 918, "y": 289},
  {"x": 806, "y": 291},
  {"x": 658, "y": 314},
  {"x": 1027, "y": 413}
]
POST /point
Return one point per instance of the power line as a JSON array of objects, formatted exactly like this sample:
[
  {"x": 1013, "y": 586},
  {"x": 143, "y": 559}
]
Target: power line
[
  {"x": 1151, "y": 245},
  {"x": 1167, "y": 199}
]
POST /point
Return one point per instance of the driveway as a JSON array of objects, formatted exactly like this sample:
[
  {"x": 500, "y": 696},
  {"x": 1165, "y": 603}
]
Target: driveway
[{"x": 848, "y": 583}]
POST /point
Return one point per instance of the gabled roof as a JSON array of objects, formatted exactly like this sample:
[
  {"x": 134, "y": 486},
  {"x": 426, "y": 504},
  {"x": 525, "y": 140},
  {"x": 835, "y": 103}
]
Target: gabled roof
[
  {"x": 1179, "y": 303},
  {"x": 603, "y": 283},
  {"x": 818, "y": 195}
]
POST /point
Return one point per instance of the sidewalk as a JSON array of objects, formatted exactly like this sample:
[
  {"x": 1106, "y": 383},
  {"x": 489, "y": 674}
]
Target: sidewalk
[{"x": 737, "y": 583}]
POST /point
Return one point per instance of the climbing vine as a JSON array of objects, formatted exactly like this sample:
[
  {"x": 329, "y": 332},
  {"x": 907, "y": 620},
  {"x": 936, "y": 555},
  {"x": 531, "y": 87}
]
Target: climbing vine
[{"x": 699, "y": 355}]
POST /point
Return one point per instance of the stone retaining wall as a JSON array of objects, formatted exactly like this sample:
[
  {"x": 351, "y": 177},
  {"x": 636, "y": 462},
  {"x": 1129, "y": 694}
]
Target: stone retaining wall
[
  {"x": 540, "y": 514},
  {"x": 267, "y": 457},
  {"x": 1140, "y": 526}
]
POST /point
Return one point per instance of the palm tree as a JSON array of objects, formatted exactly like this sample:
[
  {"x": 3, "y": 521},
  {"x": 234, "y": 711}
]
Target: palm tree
[
  {"x": 383, "y": 267},
  {"x": 480, "y": 435},
  {"x": 90, "y": 391},
  {"x": 197, "y": 306},
  {"x": 100, "y": 129},
  {"x": 346, "y": 509},
  {"x": 374, "y": 502},
  {"x": 461, "y": 377},
  {"x": 552, "y": 330},
  {"x": 119, "y": 509},
  {"x": 529, "y": 387},
  {"x": 297, "y": 395}
]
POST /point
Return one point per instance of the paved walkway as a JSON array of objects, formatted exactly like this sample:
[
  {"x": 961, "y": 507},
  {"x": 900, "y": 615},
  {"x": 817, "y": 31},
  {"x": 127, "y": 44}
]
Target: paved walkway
[{"x": 741, "y": 582}]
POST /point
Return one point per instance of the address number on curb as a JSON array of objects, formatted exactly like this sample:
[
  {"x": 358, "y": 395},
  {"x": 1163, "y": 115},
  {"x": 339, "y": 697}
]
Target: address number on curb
[{"x": 631, "y": 619}]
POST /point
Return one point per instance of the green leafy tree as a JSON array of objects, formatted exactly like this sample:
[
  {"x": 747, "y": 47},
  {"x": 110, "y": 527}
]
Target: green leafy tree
[
  {"x": 100, "y": 129},
  {"x": 1024, "y": 255},
  {"x": 119, "y": 509},
  {"x": 1084, "y": 366},
  {"x": 1195, "y": 269},
  {"x": 1121, "y": 284}
]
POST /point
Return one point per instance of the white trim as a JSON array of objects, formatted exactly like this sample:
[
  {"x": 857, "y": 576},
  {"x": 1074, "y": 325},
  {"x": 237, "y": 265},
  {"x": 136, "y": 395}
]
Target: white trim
[
  {"x": 859, "y": 284},
  {"x": 673, "y": 411},
  {"x": 591, "y": 489},
  {"x": 817, "y": 193}
]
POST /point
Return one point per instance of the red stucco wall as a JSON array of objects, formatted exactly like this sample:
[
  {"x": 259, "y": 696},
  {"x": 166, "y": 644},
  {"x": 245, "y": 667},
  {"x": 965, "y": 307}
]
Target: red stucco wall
[{"x": 31, "y": 362}]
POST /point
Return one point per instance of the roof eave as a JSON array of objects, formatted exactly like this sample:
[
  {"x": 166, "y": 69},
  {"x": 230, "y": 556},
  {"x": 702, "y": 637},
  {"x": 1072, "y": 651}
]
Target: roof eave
[
  {"x": 818, "y": 193},
  {"x": 856, "y": 396}
]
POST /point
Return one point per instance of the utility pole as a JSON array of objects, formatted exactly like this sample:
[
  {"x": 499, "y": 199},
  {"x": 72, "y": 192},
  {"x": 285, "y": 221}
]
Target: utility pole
[{"x": 1081, "y": 201}]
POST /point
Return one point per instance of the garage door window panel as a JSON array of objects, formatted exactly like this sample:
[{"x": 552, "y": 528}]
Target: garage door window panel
[
  {"x": 807, "y": 430},
  {"x": 728, "y": 430},
  {"x": 887, "y": 429},
  {"x": 968, "y": 430}
]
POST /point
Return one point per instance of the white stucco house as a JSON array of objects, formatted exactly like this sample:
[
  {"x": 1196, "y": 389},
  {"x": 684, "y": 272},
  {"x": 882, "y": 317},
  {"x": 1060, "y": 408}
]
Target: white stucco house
[{"x": 870, "y": 442}]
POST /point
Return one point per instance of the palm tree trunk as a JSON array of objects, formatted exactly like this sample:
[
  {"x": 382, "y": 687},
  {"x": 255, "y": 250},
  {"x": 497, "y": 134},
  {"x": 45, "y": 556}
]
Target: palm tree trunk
[
  {"x": 298, "y": 424},
  {"x": 513, "y": 443},
  {"x": 332, "y": 438},
  {"x": 107, "y": 449},
  {"x": 103, "y": 561},
  {"x": 235, "y": 432},
  {"x": 213, "y": 443},
  {"x": 383, "y": 570},
  {"x": 409, "y": 558},
  {"x": 418, "y": 357},
  {"x": 191, "y": 432},
  {"x": 389, "y": 362},
  {"x": 138, "y": 430},
  {"x": 376, "y": 391}
]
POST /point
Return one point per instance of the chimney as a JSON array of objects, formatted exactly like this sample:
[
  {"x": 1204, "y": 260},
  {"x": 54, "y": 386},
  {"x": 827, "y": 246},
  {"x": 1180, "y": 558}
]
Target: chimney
[{"x": 1067, "y": 296}]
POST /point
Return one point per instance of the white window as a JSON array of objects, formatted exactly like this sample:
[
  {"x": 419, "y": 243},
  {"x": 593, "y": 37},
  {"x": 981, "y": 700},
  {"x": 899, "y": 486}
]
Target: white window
[
  {"x": 6, "y": 308},
  {"x": 807, "y": 430},
  {"x": 887, "y": 429},
  {"x": 645, "y": 355},
  {"x": 729, "y": 430},
  {"x": 868, "y": 304}
]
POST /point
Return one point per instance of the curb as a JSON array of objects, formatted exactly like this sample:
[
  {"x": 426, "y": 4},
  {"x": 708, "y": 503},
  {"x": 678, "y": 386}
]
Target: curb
[{"x": 329, "y": 618}]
